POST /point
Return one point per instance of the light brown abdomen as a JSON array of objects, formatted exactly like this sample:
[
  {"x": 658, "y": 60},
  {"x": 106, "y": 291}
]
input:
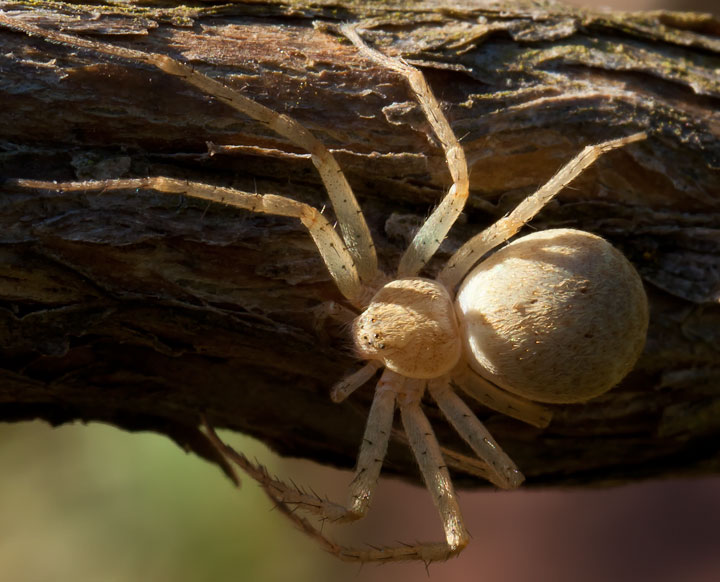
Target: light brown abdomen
[{"x": 556, "y": 316}]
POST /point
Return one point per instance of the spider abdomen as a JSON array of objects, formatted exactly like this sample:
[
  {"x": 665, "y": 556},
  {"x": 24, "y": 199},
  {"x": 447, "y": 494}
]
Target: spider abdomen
[
  {"x": 556, "y": 316},
  {"x": 410, "y": 325}
]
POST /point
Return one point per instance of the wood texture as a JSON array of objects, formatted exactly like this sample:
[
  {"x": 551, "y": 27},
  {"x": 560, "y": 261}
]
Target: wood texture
[{"x": 144, "y": 310}]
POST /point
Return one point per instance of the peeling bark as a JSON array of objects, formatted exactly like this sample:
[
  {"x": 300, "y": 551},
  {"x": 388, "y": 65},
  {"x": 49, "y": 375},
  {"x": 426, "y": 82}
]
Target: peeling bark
[{"x": 143, "y": 310}]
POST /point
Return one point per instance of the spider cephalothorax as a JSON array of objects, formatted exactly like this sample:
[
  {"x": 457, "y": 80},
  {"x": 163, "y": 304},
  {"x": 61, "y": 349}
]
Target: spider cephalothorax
[
  {"x": 557, "y": 316},
  {"x": 411, "y": 327}
]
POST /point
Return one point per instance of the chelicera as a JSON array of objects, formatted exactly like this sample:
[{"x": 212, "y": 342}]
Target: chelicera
[{"x": 557, "y": 316}]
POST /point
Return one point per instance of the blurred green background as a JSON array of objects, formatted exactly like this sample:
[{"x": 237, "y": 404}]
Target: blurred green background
[
  {"x": 81, "y": 503},
  {"x": 92, "y": 503}
]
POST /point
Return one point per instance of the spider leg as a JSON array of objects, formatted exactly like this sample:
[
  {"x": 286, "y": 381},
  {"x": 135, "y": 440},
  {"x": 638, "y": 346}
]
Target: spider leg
[
  {"x": 435, "y": 474},
  {"x": 288, "y": 498},
  {"x": 433, "y": 231},
  {"x": 374, "y": 444},
  {"x": 474, "y": 433},
  {"x": 487, "y": 394},
  {"x": 329, "y": 244},
  {"x": 352, "y": 224},
  {"x": 459, "y": 462},
  {"x": 473, "y": 250},
  {"x": 455, "y": 459}
]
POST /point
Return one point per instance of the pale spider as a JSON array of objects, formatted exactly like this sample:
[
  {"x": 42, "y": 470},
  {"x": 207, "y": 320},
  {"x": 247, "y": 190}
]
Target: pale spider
[{"x": 558, "y": 316}]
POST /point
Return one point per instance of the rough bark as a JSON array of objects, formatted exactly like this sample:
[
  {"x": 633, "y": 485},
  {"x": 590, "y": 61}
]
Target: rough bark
[{"x": 143, "y": 310}]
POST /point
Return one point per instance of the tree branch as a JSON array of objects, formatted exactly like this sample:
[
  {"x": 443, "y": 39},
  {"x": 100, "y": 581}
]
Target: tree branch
[{"x": 143, "y": 311}]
